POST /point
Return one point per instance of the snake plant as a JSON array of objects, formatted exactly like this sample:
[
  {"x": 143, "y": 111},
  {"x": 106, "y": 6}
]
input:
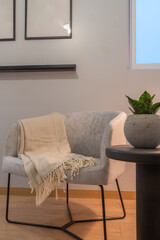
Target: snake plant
[{"x": 144, "y": 105}]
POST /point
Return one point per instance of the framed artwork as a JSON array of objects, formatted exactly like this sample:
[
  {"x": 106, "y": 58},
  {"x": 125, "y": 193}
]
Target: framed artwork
[
  {"x": 7, "y": 20},
  {"x": 48, "y": 19}
]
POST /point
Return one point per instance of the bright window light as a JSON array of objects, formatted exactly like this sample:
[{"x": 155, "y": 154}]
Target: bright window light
[{"x": 145, "y": 35}]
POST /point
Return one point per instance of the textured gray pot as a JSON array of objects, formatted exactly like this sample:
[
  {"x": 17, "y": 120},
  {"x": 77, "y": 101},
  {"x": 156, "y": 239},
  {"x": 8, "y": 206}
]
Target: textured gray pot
[{"x": 143, "y": 130}]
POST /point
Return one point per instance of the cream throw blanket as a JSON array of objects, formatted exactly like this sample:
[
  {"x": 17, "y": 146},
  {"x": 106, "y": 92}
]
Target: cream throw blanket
[{"x": 46, "y": 154}]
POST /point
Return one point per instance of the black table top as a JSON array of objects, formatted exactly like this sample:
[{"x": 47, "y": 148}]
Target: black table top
[{"x": 128, "y": 153}]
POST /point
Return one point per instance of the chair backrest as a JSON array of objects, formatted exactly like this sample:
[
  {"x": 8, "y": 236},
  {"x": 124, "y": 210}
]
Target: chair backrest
[{"x": 84, "y": 131}]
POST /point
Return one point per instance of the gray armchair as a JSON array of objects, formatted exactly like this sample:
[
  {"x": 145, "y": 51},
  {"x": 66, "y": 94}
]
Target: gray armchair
[{"x": 89, "y": 133}]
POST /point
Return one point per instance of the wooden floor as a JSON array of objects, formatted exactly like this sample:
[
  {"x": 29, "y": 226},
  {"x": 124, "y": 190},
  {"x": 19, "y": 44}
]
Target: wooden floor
[{"x": 54, "y": 212}]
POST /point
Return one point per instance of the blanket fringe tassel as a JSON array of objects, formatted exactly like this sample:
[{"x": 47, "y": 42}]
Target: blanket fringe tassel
[{"x": 58, "y": 175}]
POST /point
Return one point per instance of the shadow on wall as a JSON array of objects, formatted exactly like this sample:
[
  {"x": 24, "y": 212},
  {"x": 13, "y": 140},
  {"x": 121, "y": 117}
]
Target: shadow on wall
[{"x": 38, "y": 75}]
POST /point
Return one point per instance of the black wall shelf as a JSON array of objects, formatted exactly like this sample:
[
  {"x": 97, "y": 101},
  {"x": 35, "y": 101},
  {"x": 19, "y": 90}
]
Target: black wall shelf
[{"x": 38, "y": 68}]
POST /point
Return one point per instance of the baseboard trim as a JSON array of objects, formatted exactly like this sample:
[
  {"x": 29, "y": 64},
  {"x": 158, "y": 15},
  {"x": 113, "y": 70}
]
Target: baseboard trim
[{"x": 73, "y": 193}]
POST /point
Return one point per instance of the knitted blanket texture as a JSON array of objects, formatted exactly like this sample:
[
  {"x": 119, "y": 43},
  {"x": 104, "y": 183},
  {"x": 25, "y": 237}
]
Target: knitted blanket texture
[{"x": 43, "y": 146}]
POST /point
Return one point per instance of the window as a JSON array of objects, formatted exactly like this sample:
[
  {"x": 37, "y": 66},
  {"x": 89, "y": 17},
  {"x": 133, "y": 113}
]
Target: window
[{"x": 145, "y": 34}]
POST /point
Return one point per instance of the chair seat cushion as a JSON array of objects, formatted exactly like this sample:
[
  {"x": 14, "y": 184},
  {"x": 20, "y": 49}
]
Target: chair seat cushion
[
  {"x": 90, "y": 175},
  {"x": 94, "y": 175}
]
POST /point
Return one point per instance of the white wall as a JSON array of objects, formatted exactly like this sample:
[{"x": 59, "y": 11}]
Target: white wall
[{"x": 100, "y": 48}]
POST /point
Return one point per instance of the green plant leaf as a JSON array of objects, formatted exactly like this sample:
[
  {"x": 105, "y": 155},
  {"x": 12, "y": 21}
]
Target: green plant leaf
[
  {"x": 144, "y": 105},
  {"x": 146, "y": 100},
  {"x": 132, "y": 110},
  {"x": 136, "y": 105},
  {"x": 153, "y": 96},
  {"x": 145, "y": 96},
  {"x": 155, "y": 107}
]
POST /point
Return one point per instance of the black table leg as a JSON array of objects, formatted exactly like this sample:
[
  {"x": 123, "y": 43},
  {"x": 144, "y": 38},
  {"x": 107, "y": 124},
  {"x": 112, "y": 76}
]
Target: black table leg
[{"x": 148, "y": 201}]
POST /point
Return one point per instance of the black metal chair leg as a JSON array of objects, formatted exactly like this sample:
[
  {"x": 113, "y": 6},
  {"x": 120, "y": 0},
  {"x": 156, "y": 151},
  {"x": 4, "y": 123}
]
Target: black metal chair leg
[
  {"x": 120, "y": 196},
  {"x": 67, "y": 194},
  {"x": 122, "y": 205},
  {"x": 103, "y": 211},
  {"x": 107, "y": 219},
  {"x": 63, "y": 228},
  {"x": 71, "y": 222},
  {"x": 8, "y": 191},
  {"x": 67, "y": 201}
]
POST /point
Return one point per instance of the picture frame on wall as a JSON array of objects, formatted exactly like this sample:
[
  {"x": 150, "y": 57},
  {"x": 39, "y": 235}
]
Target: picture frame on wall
[
  {"x": 7, "y": 20},
  {"x": 48, "y": 19}
]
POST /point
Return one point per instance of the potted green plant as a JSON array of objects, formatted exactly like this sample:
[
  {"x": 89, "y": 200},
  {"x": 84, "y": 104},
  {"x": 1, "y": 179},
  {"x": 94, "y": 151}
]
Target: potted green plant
[{"x": 142, "y": 129}]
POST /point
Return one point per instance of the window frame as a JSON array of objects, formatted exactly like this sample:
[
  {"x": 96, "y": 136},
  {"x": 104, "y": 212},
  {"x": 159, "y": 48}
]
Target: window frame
[{"x": 133, "y": 63}]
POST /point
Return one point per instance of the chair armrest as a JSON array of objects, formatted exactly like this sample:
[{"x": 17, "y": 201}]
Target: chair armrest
[
  {"x": 113, "y": 135},
  {"x": 117, "y": 127},
  {"x": 11, "y": 142}
]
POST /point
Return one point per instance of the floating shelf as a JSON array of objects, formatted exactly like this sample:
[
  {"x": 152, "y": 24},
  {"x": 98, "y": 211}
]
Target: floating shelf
[{"x": 38, "y": 68}]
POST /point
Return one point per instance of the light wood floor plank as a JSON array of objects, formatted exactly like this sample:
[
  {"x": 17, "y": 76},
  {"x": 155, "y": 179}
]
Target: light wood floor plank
[{"x": 54, "y": 212}]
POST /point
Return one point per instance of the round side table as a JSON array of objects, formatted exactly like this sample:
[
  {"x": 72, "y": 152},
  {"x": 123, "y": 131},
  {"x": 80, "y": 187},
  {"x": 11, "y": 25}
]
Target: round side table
[{"x": 147, "y": 187}]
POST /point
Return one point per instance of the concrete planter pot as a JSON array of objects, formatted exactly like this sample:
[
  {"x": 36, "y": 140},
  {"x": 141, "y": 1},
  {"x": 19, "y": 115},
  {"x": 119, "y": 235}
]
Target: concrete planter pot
[{"x": 143, "y": 130}]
